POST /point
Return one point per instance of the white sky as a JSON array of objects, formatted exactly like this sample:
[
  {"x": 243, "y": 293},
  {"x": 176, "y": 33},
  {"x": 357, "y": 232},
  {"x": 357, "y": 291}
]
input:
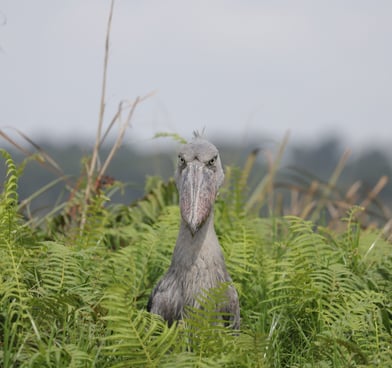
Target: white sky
[{"x": 242, "y": 69}]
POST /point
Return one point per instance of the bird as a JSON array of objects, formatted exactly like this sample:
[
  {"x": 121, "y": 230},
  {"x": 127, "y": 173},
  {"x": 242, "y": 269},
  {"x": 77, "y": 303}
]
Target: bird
[{"x": 197, "y": 263}]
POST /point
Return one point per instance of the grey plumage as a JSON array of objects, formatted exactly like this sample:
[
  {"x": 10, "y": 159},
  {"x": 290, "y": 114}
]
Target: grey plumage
[{"x": 197, "y": 262}]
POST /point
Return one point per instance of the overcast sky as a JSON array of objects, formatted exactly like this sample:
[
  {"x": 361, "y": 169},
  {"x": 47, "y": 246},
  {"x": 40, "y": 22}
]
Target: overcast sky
[{"x": 241, "y": 69}]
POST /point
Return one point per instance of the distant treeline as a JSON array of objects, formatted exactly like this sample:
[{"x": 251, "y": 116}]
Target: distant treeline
[{"x": 301, "y": 165}]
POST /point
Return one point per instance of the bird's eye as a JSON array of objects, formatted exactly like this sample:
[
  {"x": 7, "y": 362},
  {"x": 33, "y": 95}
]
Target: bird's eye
[
  {"x": 212, "y": 161},
  {"x": 181, "y": 160}
]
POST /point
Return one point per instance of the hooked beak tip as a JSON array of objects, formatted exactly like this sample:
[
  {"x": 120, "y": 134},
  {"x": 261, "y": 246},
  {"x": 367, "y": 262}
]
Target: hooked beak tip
[
  {"x": 194, "y": 219},
  {"x": 193, "y": 228}
]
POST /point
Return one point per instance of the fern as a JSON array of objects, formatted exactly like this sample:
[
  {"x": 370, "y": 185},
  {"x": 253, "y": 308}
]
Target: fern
[
  {"x": 320, "y": 306},
  {"x": 136, "y": 338},
  {"x": 309, "y": 296},
  {"x": 43, "y": 292},
  {"x": 9, "y": 199},
  {"x": 13, "y": 290},
  {"x": 207, "y": 340}
]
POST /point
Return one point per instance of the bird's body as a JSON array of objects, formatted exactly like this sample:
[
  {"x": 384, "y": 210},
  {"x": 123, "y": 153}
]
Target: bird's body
[{"x": 197, "y": 263}]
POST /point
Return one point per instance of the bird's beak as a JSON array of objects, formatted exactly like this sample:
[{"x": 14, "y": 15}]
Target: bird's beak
[{"x": 197, "y": 194}]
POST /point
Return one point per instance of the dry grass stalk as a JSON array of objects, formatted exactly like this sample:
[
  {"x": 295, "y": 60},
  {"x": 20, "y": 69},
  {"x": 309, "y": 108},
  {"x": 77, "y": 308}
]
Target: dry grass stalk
[
  {"x": 249, "y": 164},
  {"x": 41, "y": 156},
  {"x": 352, "y": 193},
  {"x": 119, "y": 140},
  {"x": 316, "y": 200},
  {"x": 259, "y": 195},
  {"x": 94, "y": 172},
  {"x": 94, "y": 158},
  {"x": 382, "y": 182}
]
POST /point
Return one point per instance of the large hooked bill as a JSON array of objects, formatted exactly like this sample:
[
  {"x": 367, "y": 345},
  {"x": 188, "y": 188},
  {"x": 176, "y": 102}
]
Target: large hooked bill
[{"x": 197, "y": 194}]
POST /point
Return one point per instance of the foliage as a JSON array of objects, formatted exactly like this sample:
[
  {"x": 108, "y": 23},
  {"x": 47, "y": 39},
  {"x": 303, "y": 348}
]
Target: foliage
[{"x": 310, "y": 296}]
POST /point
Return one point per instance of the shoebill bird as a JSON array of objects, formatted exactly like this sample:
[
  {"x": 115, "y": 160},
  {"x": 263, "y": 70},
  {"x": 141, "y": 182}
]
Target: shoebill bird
[{"x": 197, "y": 262}]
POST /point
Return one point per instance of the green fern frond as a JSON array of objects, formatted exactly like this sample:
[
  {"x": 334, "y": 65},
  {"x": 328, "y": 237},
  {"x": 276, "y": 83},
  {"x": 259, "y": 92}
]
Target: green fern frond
[
  {"x": 14, "y": 290},
  {"x": 322, "y": 302},
  {"x": 206, "y": 329},
  {"x": 174, "y": 136},
  {"x": 206, "y": 335},
  {"x": 10, "y": 194},
  {"x": 145, "y": 256},
  {"x": 240, "y": 247},
  {"x": 137, "y": 338},
  {"x": 210, "y": 312},
  {"x": 59, "y": 270},
  {"x": 9, "y": 218},
  {"x": 159, "y": 195}
]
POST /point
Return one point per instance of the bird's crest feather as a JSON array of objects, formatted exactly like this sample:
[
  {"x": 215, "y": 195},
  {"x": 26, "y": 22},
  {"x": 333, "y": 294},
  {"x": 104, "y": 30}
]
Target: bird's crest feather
[{"x": 197, "y": 134}]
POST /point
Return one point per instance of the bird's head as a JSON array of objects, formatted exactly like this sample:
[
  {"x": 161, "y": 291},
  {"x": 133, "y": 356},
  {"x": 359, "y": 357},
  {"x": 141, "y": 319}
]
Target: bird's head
[{"x": 198, "y": 177}]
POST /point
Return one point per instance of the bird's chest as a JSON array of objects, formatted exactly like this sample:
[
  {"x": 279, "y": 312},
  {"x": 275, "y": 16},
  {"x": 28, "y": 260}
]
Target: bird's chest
[{"x": 194, "y": 279}]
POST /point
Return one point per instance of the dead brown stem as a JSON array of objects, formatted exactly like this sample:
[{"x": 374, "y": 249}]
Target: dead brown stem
[{"x": 94, "y": 158}]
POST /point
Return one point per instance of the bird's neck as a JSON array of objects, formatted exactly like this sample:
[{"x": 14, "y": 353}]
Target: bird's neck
[{"x": 203, "y": 244}]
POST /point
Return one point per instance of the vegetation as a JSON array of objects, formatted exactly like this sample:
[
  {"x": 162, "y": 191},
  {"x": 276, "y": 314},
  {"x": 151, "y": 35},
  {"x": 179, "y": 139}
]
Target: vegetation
[
  {"x": 315, "y": 286},
  {"x": 311, "y": 295}
]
